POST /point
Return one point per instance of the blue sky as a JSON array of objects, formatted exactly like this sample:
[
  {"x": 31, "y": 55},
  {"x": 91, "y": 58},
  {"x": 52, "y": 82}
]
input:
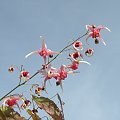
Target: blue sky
[{"x": 92, "y": 94}]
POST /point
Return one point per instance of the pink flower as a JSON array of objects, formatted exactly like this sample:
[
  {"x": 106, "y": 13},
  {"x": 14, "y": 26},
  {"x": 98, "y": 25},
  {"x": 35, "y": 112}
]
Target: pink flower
[
  {"x": 76, "y": 55},
  {"x": 48, "y": 73},
  {"x": 24, "y": 75},
  {"x": 62, "y": 74},
  {"x": 89, "y": 52},
  {"x": 94, "y": 32},
  {"x": 44, "y": 52},
  {"x": 75, "y": 64},
  {"x": 77, "y": 45},
  {"x": 59, "y": 74},
  {"x": 10, "y": 101}
]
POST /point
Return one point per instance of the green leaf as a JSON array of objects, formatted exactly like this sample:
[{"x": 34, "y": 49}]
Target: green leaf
[
  {"x": 49, "y": 106},
  {"x": 33, "y": 115}
]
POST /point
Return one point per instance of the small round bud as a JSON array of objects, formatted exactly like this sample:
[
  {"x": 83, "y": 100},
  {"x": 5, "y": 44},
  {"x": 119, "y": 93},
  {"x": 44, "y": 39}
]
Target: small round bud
[
  {"x": 89, "y": 52},
  {"x": 35, "y": 111},
  {"x": 24, "y": 75},
  {"x": 50, "y": 56},
  {"x": 11, "y": 69},
  {"x": 57, "y": 83},
  {"x": 96, "y": 41},
  {"x": 27, "y": 102}
]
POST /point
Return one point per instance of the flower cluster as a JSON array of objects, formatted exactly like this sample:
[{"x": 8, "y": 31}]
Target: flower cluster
[
  {"x": 76, "y": 56},
  {"x": 77, "y": 51}
]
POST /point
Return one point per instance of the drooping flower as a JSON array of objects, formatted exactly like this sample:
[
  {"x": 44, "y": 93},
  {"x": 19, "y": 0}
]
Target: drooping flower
[
  {"x": 78, "y": 45},
  {"x": 75, "y": 64},
  {"x": 44, "y": 51},
  {"x": 24, "y": 75},
  {"x": 59, "y": 74},
  {"x": 11, "y": 101},
  {"x": 94, "y": 32},
  {"x": 76, "y": 55},
  {"x": 26, "y": 103},
  {"x": 89, "y": 52},
  {"x": 62, "y": 74},
  {"x": 48, "y": 73}
]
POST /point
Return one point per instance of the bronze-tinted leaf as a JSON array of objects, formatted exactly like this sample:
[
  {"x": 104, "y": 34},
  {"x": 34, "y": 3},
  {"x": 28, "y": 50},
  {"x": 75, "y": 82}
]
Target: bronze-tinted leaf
[
  {"x": 11, "y": 114},
  {"x": 2, "y": 116},
  {"x": 49, "y": 106}
]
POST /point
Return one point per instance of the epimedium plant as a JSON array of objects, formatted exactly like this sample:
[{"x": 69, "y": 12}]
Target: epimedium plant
[{"x": 76, "y": 51}]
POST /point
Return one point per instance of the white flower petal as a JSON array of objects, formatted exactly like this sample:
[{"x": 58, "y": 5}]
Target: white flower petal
[
  {"x": 30, "y": 54},
  {"x": 44, "y": 46},
  {"x": 108, "y": 29},
  {"x": 102, "y": 40},
  {"x": 85, "y": 62},
  {"x": 89, "y": 27}
]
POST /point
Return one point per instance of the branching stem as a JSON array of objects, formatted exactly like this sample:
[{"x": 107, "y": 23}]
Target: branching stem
[{"x": 21, "y": 84}]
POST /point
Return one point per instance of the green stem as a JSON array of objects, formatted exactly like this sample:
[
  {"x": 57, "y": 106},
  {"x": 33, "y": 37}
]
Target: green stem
[
  {"x": 18, "y": 86},
  {"x": 47, "y": 64},
  {"x": 67, "y": 47},
  {"x": 10, "y": 92}
]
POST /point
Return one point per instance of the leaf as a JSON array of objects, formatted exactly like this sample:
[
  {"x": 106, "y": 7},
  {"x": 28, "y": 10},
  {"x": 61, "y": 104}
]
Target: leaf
[
  {"x": 33, "y": 115},
  {"x": 49, "y": 106},
  {"x": 2, "y": 116},
  {"x": 61, "y": 103},
  {"x": 11, "y": 114}
]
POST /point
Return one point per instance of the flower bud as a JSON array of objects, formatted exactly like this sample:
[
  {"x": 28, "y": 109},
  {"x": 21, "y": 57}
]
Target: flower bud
[
  {"x": 35, "y": 111},
  {"x": 57, "y": 83},
  {"x": 11, "y": 69},
  {"x": 96, "y": 41},
  {"x": 89, "y": 52},
  {"x": 50, "y": 56},
  {"x": 27, "y": 102}
]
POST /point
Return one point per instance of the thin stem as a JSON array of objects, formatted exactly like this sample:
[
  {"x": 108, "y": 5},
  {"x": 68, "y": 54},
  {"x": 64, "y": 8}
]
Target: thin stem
[
  {"x": 67, "y": 47},
  {"x": 18, "y": 86},
  {"x": 10, "y": 91}
]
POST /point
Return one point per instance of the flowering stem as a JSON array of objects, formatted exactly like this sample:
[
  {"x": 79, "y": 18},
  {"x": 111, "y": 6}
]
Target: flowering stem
[
  {"x": 20, "y": 84},
  {"x": 67, "y": 47}
]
